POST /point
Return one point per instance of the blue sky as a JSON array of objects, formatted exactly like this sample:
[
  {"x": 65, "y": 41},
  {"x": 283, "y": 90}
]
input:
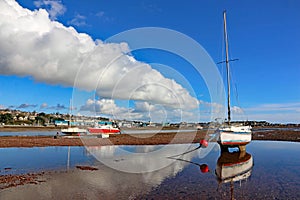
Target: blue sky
[{"x": 263, "y": 35}]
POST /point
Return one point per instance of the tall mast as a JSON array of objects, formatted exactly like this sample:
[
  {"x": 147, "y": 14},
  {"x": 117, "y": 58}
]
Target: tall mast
[
  {"x": 227, "y": 66},
  {"x": 70, "y": 112}
]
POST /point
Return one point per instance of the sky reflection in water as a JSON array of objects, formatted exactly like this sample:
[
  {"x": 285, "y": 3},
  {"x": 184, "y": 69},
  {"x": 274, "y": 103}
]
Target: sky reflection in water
[{"x": 275, "y": 172}]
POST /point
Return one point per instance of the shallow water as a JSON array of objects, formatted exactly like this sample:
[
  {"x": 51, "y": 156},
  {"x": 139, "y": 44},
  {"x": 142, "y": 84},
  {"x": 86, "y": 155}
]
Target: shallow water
[
  {"x": 269, "y": 170},
  {"x": 275, "y": 129},
  {"x": 275, "y": 174},
  {"x": 36, "y": 159},
  {"x": 29, "y": 133}
]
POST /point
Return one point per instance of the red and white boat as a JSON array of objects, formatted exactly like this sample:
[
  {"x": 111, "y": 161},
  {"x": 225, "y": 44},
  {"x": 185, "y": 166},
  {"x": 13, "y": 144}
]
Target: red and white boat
[
  {"x": 104, "y": 128},
  {"x": 234, "y": 135}
]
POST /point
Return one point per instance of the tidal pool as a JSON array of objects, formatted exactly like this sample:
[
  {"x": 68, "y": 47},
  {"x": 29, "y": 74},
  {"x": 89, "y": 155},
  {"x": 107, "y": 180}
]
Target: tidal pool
[
  {"x": 267, "y": 170},
  {"x": 29, "y": 133},
  {"x": 37, "y": 159}
]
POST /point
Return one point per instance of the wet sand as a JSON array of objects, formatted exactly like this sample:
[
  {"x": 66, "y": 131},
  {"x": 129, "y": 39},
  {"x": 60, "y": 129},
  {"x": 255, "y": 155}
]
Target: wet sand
[{"x": 137, "y": 139}]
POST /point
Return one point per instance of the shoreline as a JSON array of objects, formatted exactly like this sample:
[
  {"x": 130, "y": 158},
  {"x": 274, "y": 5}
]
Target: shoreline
[
  {"x": 28, "y": 128},
  {"x": 17, "y": 128},
  {"x": 137, "y": 139}
]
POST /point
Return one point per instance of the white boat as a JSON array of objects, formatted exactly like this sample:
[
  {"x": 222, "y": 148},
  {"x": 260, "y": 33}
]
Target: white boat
[
  {"x": 198, "y": 127},
  {"x": 73, "y": 131},
  {"x": 232, "y": 134}
]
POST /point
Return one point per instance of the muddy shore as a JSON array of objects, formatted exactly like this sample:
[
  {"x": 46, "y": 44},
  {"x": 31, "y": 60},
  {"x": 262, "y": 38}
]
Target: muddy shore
[{"x": 137, "y": 139}]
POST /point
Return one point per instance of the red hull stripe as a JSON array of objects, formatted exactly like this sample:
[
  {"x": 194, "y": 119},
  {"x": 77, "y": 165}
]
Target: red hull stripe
[
  {"x": 237, "y": 163},
  {"x": 235, "y": 143},
  {"x": 93, "y": 130}
]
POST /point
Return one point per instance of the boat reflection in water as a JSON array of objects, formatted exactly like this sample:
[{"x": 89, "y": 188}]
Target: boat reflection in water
[{"x": 233, "y": 167}]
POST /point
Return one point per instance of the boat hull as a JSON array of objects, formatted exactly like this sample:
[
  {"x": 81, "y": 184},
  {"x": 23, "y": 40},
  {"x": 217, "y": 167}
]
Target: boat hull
[
  {"x": 103, "y": 130},
  {"x": 73, "y": 131},
  {"x": 232, "y": 139},
  {"x": 235, "y": 136}
]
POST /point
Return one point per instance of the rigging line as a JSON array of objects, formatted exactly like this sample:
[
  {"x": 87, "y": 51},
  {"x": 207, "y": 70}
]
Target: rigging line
[
  {"x": 223, "y": 50},
  {"x": 179, "y": 159},
  {"x": 239, "y": 105},
  {"x": 223, "y": 63},
  {"x": 232, "y": 79},
  {"x": 185, "y": 152},
  {"x": 237, "y": 94},
  {"x": 231, "y": 75}
]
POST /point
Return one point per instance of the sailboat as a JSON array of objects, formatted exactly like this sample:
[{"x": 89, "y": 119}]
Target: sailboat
[{"x": 232, "y": 134}]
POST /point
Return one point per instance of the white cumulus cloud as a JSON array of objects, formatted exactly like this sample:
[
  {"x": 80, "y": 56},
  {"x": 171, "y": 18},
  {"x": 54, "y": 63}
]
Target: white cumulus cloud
[
  {"x": 109, "y": 108},
  {"x": 140, "y": 111},
  {"x": 31, "y": 44}
]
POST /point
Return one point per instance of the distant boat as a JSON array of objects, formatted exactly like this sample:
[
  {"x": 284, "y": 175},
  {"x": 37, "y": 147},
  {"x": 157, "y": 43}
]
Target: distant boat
[
  {"x": 229, "y": 134},
  {"x": 72, "y": 130},
  {"x": 198, "y": 127},
  {"x": 104, "y": 128}
]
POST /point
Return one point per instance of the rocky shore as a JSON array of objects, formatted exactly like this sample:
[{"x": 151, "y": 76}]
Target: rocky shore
[{"x": 13, "y": 180}]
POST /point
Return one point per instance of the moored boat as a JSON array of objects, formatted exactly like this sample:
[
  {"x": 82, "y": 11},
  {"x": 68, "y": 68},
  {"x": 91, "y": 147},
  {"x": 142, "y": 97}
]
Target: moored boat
[
  {"x": 232, "y": 134},
  {"x": 104, "y": 128},
  {"x": 73, "y": 131}
]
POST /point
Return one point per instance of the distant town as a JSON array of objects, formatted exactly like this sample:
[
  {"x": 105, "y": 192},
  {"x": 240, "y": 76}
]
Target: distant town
[{"x": 10, "y": 117}]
